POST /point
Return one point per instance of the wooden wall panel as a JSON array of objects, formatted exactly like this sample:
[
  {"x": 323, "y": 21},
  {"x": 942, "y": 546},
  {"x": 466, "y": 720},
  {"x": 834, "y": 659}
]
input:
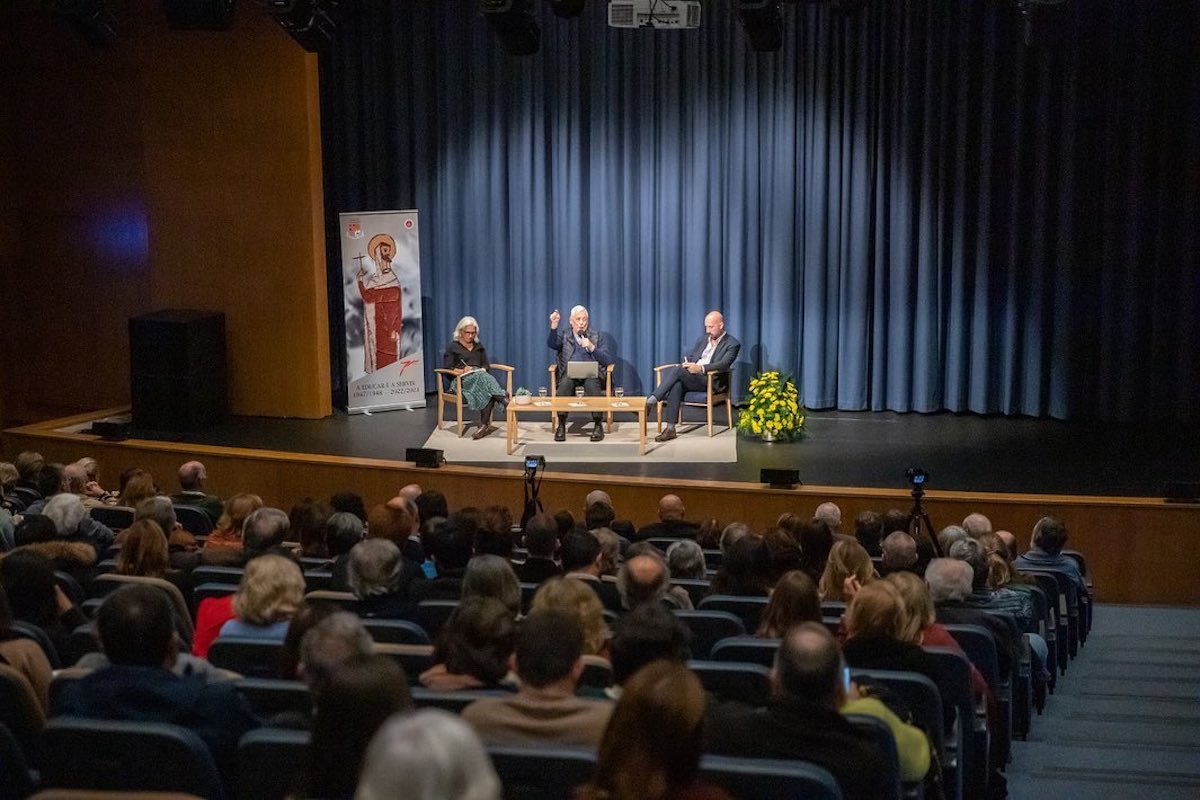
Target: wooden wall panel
[
  {"x": 172, "y": 169},
  {"x": 1134, "y": 546}
]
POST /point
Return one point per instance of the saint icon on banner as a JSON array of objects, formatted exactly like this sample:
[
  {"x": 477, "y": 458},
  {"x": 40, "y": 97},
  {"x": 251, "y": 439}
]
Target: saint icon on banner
[{"x": 381, "y": 304}]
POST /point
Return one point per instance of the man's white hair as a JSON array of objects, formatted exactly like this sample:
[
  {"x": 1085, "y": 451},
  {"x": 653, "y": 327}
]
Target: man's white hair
[
  {"x": 577, "y": 309},
  {"x": 949, "y": 579},
  {"x": 830, "y": 514},
  {"x": 66, "y": 511},
  {"x": 427, "y": 755}
]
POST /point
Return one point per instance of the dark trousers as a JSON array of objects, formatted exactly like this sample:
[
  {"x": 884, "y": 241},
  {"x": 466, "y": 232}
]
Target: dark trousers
[
  {"x": 566, "y": 388},
  {"x": 676, "y": 381}
]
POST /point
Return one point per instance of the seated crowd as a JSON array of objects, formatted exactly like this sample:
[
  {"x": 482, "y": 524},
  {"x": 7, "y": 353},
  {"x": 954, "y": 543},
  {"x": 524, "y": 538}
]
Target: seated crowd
[{"x": 588, "y": 633}]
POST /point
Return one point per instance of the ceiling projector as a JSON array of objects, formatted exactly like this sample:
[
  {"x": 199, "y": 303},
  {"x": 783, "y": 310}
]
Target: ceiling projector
[{"x": 675, "y": 14}]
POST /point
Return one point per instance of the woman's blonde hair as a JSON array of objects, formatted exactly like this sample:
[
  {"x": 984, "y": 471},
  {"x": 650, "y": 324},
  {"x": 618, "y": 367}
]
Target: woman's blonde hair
[
  {"x": 139, "y": 486},
  {"x": 576, "y": 598},
  {"x": 143, "y": 550},
  {"x": 877, "y": 610},
  {"x": 845, "y": 559},
  {"x": 918, "y": 603},
  {"x": 271, "y": 590}
]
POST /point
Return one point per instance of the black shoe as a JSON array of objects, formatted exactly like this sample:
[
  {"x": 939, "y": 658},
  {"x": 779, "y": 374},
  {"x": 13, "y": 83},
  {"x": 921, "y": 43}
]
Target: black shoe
[
  {"x": 560, "y": 433},
  {"x": 666, "y": 435},
  {"x": 597, "y": 432},
  {"x": 486, "y": 430}
]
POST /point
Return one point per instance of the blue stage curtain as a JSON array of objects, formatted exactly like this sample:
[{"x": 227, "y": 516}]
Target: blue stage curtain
[{"x": 907, "y": 207}]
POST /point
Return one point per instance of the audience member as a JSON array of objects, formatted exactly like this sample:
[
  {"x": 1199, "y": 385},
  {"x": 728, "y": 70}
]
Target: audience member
[
  {"x": 783, "y": 551},
  {"x": 548, "y": 662},
  {"x": 307, "y": 521},
  {"x": 793, "y": 601},
  {"x": 847, "y": 569},
  {"x": 598, "y": 515},
  {"x": 1010, "y": 544},
  {"x": 868, "y": 530},
  {"x": 831, "y": 515},
  {"x": 430, "y": 504},
  {"x": 816, "y": 540},
  {"x": 473, "y": 647},
  {"x": 708, "y": 536},
  {"x": 265, "y": 532},
  {"x": 565, "y": 521},
  {"x": 802, "y": 720},
  {"x": 647, "y": 633},
  {"x": 948, "y": 536},
  {"x": 492, "y": 576},
  {"x": 40, "y": 533},
  {"x": 354, "y": 702},
  {"x": 182, "y": 550},
  {"x": 269, "y": 593},
  {"x": 895, "y": 520},
  {"x": 343, "y": 530},
  {"x": 875, "y": 622},
  {"x": 950, "y": 585},
  {"x": 193, "y": 478},
  {"x": 581, "y": 557},
  {"x": 731, "y": 533},
  {"x": 671, "y": 523},
  {"x": 541, "y": 542},
  {"x": 137, "y": 634},
  {"x": 976, "y": 524},
  {"x": 28, "y": 578},
  {"x": 137, "y": 488},
  {"x": 495, "y": 536},
  {"x": 144, "y": 552},
  {"x": 224, "y": 545},
  {"x": 379, "y": 577},
  {"x": 572, "y": 596},
  {"x": 450, "y": 546},
  {"x": 72, "y": 521},
  {"x": 686, "y": 561},
  {"x": 745, "y": 569},
  {"x": 1045, "y": 552},
  {"x": 349, "y": 503},
  {"x": 24, "y": 655},
  {"x": 48, "y": 481},
  {"x": 307, "y": 616},
  {"x": 652, "y": 745},
  {"x": 429, "y": 754},
  {"x": 645, "y": 579},
  {"x": 899, "y": 553},
  {"x": 610, "y": 551}
]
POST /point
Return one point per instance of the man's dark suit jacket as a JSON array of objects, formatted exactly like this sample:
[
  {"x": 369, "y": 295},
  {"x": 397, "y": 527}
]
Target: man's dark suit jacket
[
  {"x": 217, "y": 712},
  {"x": 606, "y": 591},
  {"x": 210, "y": 504},
  {"x": 536, "y": 570},
  {"x": 668, "y": 529},
  {"x": 793, "y": 728},
  {"x": 562, "y": 342},
  {"x": 722, "y": 358},
  {"x": 1003, "y": 630}
]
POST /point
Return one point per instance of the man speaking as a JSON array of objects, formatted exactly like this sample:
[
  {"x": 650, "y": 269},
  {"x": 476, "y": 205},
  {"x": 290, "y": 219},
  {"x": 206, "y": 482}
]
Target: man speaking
[
  {"x": 582, "y": 354},
  {"x": 715, "y": 351}
]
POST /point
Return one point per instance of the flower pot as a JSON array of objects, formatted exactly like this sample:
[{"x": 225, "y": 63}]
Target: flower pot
[
  {"x": 767, "y": 436},
  {"x": 523, "y": 399}
]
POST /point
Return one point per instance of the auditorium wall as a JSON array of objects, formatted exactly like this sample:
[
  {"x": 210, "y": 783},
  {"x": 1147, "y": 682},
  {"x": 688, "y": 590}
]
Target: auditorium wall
[{"x": 170, "y": 169}]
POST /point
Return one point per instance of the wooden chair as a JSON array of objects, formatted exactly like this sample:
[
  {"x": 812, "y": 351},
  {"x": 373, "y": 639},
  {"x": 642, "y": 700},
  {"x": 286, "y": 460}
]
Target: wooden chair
[
  {"x": 454, "y": 396},
  {"x": 608, "y": 371},
  {"x": 708, "y": 399}
]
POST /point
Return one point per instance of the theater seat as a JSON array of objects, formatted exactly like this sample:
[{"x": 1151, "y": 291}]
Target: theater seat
[
  {"x": 270, "y": 762},
  {"x": 709, "y": 627},
  {"x": 137, "y": 756},
  {"x": 541, "y": 772},
  {"x": 769, "y": 778},
  {"x": 729, "y": 681}
]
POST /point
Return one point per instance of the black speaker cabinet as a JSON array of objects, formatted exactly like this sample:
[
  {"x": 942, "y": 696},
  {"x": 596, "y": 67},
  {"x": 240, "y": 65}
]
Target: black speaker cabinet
[{"x": 177, "y": 366}]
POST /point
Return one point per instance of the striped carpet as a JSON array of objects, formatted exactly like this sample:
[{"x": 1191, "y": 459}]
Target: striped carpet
[{"x": 1125, "y": 720}]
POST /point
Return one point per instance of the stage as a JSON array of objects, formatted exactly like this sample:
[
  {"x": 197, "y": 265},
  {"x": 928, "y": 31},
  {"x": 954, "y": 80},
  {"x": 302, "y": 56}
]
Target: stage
[{"x": 1104, "y": 480}]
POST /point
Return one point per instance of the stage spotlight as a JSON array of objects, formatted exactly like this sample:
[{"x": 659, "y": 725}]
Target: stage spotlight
[
  {"x": 199, "y": 15},
  {"x": 515, "y": 28},
  {"x": 763, "y": 23},
  {"x": 309, "y": 22}
]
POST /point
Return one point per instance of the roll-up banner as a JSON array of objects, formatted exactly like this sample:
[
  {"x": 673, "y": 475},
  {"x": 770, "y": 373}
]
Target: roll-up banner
[{"x": 381, "y": 282}]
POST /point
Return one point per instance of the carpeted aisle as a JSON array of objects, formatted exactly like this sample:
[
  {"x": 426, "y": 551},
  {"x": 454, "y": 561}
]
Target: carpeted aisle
[{"x": 1125, "y": 720}]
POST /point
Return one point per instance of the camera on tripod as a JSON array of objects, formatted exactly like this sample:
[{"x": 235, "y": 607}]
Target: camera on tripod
[{"x": 916, "y": 476}]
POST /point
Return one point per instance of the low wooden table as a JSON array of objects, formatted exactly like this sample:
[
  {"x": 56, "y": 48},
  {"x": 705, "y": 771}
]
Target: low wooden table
[{"x": 586, "y": 404}]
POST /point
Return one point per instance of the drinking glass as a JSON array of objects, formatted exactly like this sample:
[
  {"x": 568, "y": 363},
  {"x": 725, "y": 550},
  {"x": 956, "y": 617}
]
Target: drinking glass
[
  {"x": 541, "y": 391},
  {"x": 620, "y": 391},
  {"x": 579, "y": 391}
]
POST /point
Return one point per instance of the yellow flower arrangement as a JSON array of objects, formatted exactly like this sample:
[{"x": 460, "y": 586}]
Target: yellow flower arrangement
[{"x": 774, "y": 411}]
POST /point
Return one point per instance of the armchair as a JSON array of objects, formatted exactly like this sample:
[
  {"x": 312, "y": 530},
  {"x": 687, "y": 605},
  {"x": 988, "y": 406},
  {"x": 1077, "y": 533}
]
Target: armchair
[
  {"x": 453, "y": 395},
  {"x": 708, "y": 399},
  {"x": 608, "y": 371}
]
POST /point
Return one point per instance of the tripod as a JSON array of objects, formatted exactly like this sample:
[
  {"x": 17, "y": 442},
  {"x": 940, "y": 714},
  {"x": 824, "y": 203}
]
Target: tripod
[
  {"x": 533, "y": 484},
  {"x": 918, "y": 520}
]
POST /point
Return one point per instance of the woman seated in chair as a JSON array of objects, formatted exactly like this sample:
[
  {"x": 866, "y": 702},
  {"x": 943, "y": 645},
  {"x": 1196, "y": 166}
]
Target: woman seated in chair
[{"x": 466, "y": 357}]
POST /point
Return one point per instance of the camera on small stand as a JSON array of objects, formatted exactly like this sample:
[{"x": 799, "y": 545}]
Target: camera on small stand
[
  {"x": 533, "y": 484},
  {"x": 918, "y": 520}
]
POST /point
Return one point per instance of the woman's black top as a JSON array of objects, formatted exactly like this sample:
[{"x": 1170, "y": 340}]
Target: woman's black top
[{"x": 457, "y": 356}]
